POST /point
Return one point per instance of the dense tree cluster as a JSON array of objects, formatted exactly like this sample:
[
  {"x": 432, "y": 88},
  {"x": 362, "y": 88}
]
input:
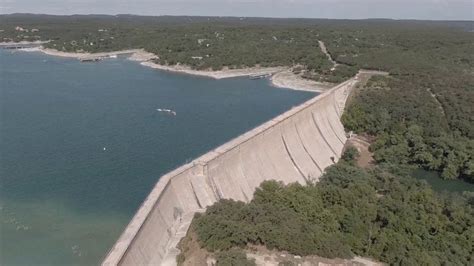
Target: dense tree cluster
[
  {"x": 410, "y": 128},
  {"x": 233, "y": 257},
  {"x": 375, "y": 213},
  {"x": 202, "y": 43},
  {"x": 423, "y": 112}
]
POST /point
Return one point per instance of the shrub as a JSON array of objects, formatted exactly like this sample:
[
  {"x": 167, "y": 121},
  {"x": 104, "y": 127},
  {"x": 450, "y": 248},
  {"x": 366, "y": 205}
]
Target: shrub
[{"x": 233, "y": 257}]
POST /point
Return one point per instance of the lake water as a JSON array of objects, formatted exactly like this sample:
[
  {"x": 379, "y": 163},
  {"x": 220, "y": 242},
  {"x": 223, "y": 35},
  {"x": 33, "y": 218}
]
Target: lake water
[
  {"x": 442, "y": 185},
  {"x": 82, "y": 144}
]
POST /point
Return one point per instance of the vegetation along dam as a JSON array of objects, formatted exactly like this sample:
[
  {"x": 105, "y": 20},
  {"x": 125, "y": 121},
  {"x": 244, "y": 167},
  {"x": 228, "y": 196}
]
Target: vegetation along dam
[{"x": 294, "y": 147}]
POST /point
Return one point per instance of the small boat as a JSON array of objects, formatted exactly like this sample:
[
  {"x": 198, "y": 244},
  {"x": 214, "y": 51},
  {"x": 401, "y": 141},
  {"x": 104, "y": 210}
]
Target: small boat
[{"x": 169, "y": 111}]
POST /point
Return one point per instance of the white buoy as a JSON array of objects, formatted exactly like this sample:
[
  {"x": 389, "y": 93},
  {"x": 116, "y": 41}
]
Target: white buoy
[{"x": 105, "y": 149}]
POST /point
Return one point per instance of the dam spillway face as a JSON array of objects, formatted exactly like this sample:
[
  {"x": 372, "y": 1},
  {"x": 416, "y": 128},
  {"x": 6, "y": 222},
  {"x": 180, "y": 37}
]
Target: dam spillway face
[{"x": 294, "y": 147}]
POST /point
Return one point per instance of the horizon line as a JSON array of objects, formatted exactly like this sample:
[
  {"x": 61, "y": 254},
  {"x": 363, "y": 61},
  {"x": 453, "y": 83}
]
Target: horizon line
[{"x": 216, "y": 16}]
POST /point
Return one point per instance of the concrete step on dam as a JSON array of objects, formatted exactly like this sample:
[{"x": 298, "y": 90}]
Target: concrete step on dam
[{"x": 296, "y": 146}]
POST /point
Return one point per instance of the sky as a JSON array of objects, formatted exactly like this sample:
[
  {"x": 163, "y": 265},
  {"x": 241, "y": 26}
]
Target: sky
[{"x": 349, "y": 9}]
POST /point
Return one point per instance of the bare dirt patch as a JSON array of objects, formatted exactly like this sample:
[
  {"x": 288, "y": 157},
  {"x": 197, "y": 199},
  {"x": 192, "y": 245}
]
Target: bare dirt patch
[
  {"x": 362, "y": 144},
  {"x": 192, "y": 254},
  {"x": 265, "y": 257}
]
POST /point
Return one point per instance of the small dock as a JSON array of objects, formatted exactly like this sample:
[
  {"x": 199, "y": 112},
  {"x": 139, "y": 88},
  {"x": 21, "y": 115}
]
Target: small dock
[
  {"x": 91, "y": 59},
  {"x": 20, "y": 45},
  {"x": 260, "y": 76},
  {"x": 96, "y": 58},
  {"x": 17, "y": 46}
]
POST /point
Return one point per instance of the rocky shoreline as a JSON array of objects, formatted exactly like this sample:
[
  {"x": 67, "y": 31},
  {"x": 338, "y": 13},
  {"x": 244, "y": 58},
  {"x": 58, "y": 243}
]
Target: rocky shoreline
[{"x": 281, "y": 77}]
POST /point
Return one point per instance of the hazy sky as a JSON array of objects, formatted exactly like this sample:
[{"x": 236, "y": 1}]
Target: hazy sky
[{"x": 397, "y": 9}]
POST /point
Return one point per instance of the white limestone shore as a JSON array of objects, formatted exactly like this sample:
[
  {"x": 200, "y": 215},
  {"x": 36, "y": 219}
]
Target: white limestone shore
[
  {"x": 89, "y": 55},
  {"x": 219, "y": 74},
  {"x": 287, "y": 79},
  {"x": 282, "y": 77}
]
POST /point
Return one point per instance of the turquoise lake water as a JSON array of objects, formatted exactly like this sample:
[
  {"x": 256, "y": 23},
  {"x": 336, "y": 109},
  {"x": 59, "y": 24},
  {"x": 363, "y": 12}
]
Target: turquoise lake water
[{"x": 64, "y": 200}]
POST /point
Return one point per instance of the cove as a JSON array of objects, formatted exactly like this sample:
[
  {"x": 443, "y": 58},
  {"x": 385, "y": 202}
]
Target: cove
[
  {"x": 82, "y": 144},
  {"x": 442, "y": 185}
]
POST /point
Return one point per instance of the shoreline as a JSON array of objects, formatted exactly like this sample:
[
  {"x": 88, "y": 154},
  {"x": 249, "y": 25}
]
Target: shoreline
[
  {"x": 6, "y": 44},
  {"x": 288, "y": 80},
  {"x": 141, "y": 53},
  {"x": 218, "y": 74},
  {"x": 281, "y": 77}
]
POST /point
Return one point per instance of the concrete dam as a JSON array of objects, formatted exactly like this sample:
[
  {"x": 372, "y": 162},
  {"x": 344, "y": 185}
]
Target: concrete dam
[{"x": 296, "y": 146}]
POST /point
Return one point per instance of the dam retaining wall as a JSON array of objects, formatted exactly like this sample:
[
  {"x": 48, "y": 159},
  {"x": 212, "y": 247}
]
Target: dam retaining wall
[{"x": 296, "y": 146}]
